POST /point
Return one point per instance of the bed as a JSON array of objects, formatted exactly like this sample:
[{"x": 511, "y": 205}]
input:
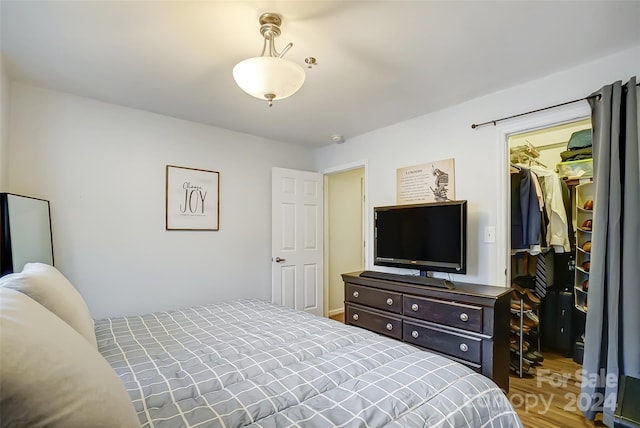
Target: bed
[{"x": 253, "y": 363}]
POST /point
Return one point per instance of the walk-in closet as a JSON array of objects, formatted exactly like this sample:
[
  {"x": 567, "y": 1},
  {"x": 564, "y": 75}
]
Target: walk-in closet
[{"x": 551, "y": 198}]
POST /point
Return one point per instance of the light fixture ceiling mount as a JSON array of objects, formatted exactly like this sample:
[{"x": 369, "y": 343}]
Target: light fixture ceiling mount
[{"x": 269, "y": 76}]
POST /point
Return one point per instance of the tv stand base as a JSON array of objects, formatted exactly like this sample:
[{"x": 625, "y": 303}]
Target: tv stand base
[{"x": 409, "y": 279}]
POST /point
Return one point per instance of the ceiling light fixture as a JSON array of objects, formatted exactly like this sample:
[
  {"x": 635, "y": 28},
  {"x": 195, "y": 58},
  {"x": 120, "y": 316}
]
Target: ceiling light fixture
[{"x": 269, "y": 76}]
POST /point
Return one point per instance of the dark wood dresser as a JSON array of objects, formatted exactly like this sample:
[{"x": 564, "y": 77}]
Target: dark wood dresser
[{"x": 469, "y": 324}]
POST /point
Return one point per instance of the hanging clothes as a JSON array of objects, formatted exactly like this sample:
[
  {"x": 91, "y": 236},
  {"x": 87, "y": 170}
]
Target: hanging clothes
[
  {"x": 535, "y": 221},
  {"x": 526, "y": 211},
  {"x": 517, "y": 234},
  {"x": 557, "y": 234},
  {"x": 531, "y": 219},
  {"x": 566, "y": 198},
  {"x": 539, "y": 193}
]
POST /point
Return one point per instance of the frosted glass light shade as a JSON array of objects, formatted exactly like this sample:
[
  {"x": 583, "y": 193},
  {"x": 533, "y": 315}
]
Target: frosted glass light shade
[{"x": 264, "y": 75}]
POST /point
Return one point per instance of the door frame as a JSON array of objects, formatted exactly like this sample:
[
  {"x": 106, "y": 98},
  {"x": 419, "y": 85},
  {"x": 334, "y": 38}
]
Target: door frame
[
  {"x": 546, "y": 119},
  {"x": 365, "y": 221}
]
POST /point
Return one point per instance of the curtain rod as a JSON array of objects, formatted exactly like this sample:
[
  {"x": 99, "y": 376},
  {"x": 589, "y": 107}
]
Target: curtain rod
[{"x": 495, "y": 121}]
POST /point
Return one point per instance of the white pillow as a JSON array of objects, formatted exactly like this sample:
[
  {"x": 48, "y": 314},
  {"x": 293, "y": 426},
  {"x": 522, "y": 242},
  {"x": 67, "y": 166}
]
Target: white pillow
[
  {"x": 47, "y": 286},
  {"x": 50, "y": 376}
]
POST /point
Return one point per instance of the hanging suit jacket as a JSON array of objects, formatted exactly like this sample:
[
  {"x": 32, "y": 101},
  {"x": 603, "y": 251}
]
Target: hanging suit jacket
[
  {"x": 525, "y": 212},
  {"x": 530, "y": 210}
]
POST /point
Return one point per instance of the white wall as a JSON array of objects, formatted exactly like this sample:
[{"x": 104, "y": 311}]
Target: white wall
[
  {"x": 480, "y": 165},
  {"x": 102, "y": 167},
  {"x": 4, "y": 127}
]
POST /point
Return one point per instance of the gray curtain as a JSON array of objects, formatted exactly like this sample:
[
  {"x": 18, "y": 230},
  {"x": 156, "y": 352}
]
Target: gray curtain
[{"x": 612, "y": 334}]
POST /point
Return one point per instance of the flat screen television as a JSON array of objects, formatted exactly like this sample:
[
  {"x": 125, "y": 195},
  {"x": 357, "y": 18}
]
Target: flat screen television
[{"x": 430, "y": 237}]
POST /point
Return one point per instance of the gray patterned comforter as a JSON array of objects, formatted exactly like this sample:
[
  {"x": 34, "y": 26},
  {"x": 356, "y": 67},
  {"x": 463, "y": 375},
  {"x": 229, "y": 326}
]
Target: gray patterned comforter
[{"x": 251, "y": 363}]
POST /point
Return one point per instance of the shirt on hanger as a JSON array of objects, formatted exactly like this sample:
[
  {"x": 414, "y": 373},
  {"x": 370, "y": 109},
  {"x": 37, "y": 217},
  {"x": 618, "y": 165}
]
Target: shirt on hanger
[{"x": 557, "y": 230}]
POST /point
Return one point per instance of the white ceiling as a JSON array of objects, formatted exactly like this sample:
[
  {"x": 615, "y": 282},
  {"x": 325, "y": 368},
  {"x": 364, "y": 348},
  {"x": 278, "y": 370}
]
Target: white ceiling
[{"x": 379, "y": 62}]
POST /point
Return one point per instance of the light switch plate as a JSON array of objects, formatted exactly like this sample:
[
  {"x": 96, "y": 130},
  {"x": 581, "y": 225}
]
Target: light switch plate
[{"x": 490, "y": 234}]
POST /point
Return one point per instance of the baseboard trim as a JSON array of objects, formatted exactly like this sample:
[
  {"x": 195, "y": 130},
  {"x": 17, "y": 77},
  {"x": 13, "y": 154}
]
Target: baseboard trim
[{"x": 333, "y": 312}]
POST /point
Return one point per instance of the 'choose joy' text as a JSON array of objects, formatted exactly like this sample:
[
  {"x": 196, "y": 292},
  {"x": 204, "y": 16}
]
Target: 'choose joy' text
[{"x": 193, "y": 198}]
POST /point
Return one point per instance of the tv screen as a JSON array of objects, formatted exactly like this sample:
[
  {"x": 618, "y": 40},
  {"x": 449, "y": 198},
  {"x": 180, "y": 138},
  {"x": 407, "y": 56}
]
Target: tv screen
[{"x": 428, "y": 237}]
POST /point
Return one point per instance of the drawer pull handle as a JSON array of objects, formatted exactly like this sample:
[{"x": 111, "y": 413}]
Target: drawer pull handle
[
  {"x": 414, "y": 307},
  {"x": 464, "y": 317},
  {"x": 389, "y": 326},
  {"x": 355, "y": 317},
  {"x": 464, "y": 347},
  {"x": 356, "y": 294},
  {"x": 414, "y": 334},
  {"x": 389, "y": 301}
]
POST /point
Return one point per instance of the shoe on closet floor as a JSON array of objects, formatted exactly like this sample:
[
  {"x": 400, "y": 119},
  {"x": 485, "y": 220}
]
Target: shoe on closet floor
[
  {"x": 516, "y": 302},
  {"x": 531, "y": 358},
  {"x": 538, "y": 355},
  {"x": 514, "y": 343},
  {"x": 527, "y": 369},
  {"x": 528, "y": 322},
  {"x": 525, "y": 294},
  {"x": 514, "y": 323}
]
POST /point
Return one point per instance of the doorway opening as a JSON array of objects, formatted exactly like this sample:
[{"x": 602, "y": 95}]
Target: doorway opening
[
  {"x": 550, "y": 169},
  {"x": 344, "y": 233}
]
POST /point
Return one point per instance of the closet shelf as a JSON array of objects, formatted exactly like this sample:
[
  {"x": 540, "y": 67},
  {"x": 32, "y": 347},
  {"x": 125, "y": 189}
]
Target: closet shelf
[
  {"x": 582, "y": 270},
  {"x": 580, "y": 278},
  {"x": 584, "y": 195},
  {"x": 580, "y": 290}
]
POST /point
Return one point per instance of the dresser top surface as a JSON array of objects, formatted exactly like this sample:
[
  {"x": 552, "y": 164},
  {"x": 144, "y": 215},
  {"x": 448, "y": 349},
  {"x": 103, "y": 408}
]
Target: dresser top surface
[{"x": 461, "y": 288}]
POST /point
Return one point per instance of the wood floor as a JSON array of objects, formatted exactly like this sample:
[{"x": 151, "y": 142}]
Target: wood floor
[
  {"x": 338, "y": 317},
  {"x": 549, "y": 399}
]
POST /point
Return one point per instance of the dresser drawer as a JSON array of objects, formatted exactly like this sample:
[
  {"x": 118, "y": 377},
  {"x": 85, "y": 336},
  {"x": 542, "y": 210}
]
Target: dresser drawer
[
  {"x": 380, "y": 299},
  {"x": 374, "y": 321},
  {"x": 450, "y": 343},
  {"x": 451, "y": 314}
]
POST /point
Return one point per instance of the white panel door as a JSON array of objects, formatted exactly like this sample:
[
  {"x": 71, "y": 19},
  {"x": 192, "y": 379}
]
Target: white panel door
[{"x": 296, "y": 236}]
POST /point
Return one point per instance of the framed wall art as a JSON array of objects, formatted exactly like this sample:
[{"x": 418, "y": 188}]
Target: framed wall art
[
  {"x": 428, "y": 182},
  {"x": 192, "y": 199}
]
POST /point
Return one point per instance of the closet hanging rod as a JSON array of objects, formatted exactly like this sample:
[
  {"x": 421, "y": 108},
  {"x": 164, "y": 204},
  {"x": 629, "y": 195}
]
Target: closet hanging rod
[{"x": 495, "y": 121}]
